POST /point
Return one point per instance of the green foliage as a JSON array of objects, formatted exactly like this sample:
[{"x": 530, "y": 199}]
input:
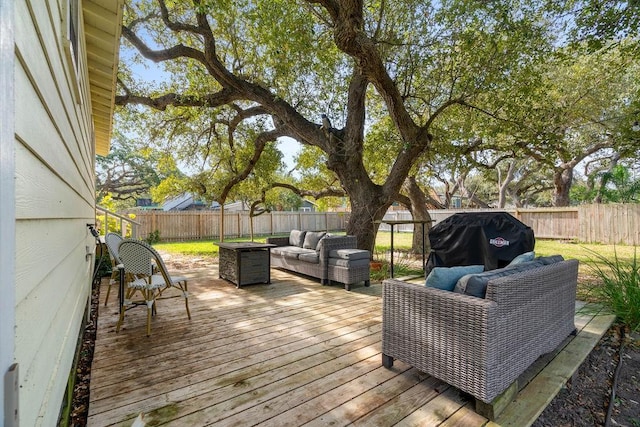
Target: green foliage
[
  {"x": 153, "y": 237},
  {"x": 112, "y": 223},
  {"x": 128, "y": 172},
  {"x": 618, "y": 287},
  {"x": 618, "y": 186}
]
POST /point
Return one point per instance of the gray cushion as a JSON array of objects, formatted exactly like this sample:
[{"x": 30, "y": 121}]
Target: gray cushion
[
  {"x": 546, "y": 260},
  {"x": 350, "y": 254},
  {"x": 339, "y": 262},
  {"x": 476, "y": 284},
  {"x": 527, "y": 256},
  {"x": 312, "y": 238},
  {"x": 296, "y": 238},
  {"x": 445, "y": 278},
  {"x": 327, "y": 235},
  {"x": 290, "y": 251},
  {"x": 311, "y": 257}
]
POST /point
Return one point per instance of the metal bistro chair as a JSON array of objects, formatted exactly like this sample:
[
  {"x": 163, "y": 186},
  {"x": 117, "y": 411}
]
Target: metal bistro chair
[
  {"x": 138, "y": 259},
  {"x": 113, "y": 240}
]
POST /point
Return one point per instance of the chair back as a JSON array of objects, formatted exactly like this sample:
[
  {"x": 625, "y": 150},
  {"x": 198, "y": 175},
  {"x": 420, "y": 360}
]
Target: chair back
[
  {"x": 136, "y": 258},
  {"x": 160, "y": 266},
  {"x": 113, "y": 241}
]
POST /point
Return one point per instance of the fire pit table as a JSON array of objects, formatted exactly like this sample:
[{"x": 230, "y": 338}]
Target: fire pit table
[{"x": 245, "y": 263}]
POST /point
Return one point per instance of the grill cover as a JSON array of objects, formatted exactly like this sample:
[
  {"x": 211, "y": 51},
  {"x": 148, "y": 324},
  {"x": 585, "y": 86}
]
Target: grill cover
[{"x": 489, "y": 238}]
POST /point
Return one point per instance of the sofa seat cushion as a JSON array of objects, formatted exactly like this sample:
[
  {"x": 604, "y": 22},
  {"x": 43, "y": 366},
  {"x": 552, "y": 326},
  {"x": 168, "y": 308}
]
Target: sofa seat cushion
[
  {"x": 290, "y": 251},
  {"x": 312, "y": 257},
  {"x": 350, "y": 254},
  {"x": 311, "y": 239},
  {"x": 346, "y": 263},
  {"x": 296, "y": 238},
  {"x": 445, "y": 278}
]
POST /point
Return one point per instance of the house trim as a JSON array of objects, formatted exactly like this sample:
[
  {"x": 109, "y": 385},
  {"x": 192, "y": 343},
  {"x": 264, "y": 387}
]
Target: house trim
[{"x": 7, "y": 198}]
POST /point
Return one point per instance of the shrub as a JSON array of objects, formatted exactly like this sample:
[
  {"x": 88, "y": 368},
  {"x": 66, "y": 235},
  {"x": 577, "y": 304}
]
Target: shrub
[
  {"x": 153, "y": 237},
  {"x": 619, "y": 287}
]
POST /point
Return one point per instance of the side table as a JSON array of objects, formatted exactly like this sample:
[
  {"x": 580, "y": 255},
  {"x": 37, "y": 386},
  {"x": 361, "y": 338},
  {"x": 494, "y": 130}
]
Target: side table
[{"x": 245, "y": 263}]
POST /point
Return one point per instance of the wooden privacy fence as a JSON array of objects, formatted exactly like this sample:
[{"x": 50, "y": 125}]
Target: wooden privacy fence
[
  {"x": 606, "y": 224},
  {"x": 197, "y": 225}
]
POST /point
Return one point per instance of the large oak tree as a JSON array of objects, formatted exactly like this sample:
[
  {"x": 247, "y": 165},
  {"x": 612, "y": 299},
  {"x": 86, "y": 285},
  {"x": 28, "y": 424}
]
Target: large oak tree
[{"x": 357, "y": 61}]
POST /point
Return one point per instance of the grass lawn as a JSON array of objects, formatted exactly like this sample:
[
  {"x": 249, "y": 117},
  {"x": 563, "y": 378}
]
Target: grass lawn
[
  {"x": 402, "y": 242},
  {"x": 585, "y": 253}
]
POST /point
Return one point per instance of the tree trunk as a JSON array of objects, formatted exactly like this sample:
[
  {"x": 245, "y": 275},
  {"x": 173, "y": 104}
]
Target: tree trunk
[
  {"x": 562, "y": 180},
  {"x": 419, "y": 212},
  {"x": 503, "y": 185},
  {"x": 367, "y": 207}
]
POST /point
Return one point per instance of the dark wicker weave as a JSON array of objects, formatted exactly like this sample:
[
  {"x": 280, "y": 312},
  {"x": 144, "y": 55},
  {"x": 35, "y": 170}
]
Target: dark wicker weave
[
  {"x": 480, "y": 345},
  {"x": 322, "y": 270},
  {"x": 350, "y": 275}
]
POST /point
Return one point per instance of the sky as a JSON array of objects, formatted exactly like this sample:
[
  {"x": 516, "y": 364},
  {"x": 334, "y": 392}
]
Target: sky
[{"x": 150, "y": 72}]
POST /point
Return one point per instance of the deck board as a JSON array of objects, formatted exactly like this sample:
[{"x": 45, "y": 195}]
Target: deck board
[{"x": 290, "y": 353}]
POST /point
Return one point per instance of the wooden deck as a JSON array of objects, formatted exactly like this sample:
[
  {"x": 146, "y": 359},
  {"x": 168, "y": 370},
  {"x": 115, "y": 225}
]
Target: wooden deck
[{"x": 289, "y": 353}]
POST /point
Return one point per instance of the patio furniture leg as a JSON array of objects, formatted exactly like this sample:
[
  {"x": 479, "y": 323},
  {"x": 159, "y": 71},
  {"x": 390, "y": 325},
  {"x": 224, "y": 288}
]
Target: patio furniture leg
[
  {"x": 387, "y": 361},
  {"x": 150, "y": 309},
  {"x": 185, "y": 294}
]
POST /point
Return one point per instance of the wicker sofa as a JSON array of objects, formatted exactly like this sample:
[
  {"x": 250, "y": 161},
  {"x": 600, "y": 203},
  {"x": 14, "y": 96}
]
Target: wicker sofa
[
  {"x": 326, "y": 257},
  {"x": 480, "y": 345}
]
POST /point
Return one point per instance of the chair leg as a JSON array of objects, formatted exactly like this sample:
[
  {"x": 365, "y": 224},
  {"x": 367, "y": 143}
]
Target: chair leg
[
  {"x": 120, "y": 319},
  {"x": 108, "y": 292},
  {"x": 150, "y": 308},
  {"x": 185, "y": 294}
]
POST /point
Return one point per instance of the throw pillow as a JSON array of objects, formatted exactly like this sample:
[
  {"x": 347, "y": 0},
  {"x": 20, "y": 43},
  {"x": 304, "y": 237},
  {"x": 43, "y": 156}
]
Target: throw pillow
[
  {"x": 527, "y": 256},
  {"x": 296, "y": 238},
  {"x": 312, "y": 238},
  {"x": 320, "y": 241},
  {"x": 546, "y": 260},
  {"x": 445, "y": 278},
  {"x": 477, "y": 284}
]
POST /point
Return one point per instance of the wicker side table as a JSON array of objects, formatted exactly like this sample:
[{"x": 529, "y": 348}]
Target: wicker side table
[{"x": 245, "y": 263}]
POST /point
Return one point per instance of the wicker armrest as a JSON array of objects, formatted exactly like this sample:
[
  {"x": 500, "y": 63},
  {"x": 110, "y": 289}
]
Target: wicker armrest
[
  {"x": 331, "y": 243},
  {"x": 278, "y": 241}
]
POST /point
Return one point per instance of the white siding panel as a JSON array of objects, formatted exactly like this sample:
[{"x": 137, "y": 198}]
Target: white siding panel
[
  {"x": 35, "y": 127},
  {"x": 46, "y": 68},
  {"x": 46, "y": 338},
  {"x": 54, "y": 201},
  {"x": 40, "y": 193},
  {"x": 42, "y": 246}
]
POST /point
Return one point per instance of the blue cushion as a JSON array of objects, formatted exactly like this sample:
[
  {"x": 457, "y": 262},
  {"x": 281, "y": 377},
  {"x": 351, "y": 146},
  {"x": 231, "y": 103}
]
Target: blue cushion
[
  {"x": 546, "y": 260},
  {"x": 527, "y": 256},
  {"x": 476, "y": 285},
  {"x": 446, "y": 277}
]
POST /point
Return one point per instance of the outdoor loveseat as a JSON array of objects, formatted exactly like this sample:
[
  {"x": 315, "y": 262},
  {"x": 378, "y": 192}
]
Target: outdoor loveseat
[
  {"x": 321, "y": 255},
  {"x": 481, "y": 345}
]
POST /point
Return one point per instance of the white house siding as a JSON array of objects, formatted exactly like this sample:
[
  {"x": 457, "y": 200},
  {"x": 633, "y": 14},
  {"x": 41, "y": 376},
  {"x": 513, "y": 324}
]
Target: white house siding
[
  {"x": 54, "y": 200},
  {"x": 7, "y": 208}
]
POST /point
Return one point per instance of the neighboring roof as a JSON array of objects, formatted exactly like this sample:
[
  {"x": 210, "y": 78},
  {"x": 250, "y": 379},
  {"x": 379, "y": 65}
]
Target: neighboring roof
[{"x": 102, "y": 26}]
